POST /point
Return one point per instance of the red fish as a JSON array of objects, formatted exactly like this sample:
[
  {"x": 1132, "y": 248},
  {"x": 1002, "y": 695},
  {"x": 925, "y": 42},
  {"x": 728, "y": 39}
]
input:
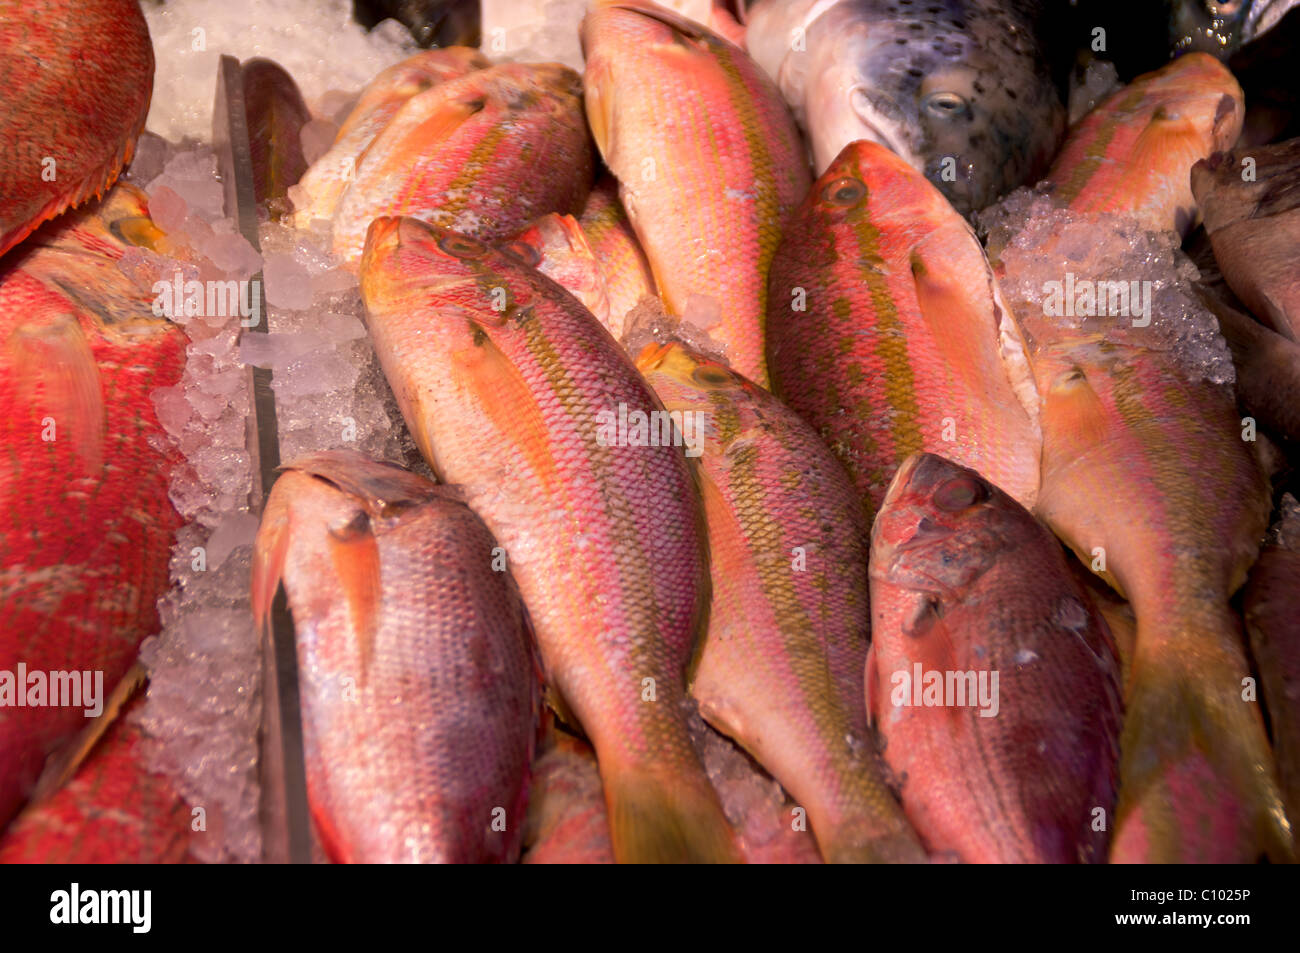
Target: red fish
[
  {"x": 87, "y": 525},
  {"x": 77, "y": 78}
]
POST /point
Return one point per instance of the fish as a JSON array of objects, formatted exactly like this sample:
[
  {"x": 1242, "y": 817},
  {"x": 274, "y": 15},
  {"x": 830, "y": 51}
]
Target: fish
[
  {"x": 1149, "y": 476},
  {"x": 275, "y": 114},
  {"x": 708, "y": 161},
  {"x": 566, "y": 807},
  {"x": 78, "y": 78},
  {"x": 418, "y": 685},
  {"x": 887, "y": 331},
  {"x": 780, "y": 670},
  {"x": 514, "y": 392},
  {"x": 114, "y": 809},
  {"x": 317, "y": 194},
  {"x": 958, "y": 89},
  {"x": 87, "y": 528},
  {"x": 557, "y": 247},
  {"x": 1272, "y": 618},
  {"x": 1250, "y": 199},
  {"x": 1146, "y": 476},
  {"x": 432, "y": 23},
  {"x": 1131, "y": 154},
  {"x": 1221, "y": 27},
  {"x": 992, "y": 680},
  {"x": 486, "y": 154},
  {"x": 624, "y": 269}
]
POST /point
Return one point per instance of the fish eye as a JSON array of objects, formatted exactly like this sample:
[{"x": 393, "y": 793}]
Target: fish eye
[
  {"x": 945, "y": 104},
  {"x": 136, "y": 230},
  {"x": 959, "y": 493},
  {"x": 462, "y": 246},
  {"x": 845, "y": 192},
  {"x": 710, "y": 376},
  {"x": 525, "y": 252}
]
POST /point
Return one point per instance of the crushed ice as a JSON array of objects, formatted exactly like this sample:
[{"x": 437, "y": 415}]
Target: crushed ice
[{"x": 1044, "y": 246}]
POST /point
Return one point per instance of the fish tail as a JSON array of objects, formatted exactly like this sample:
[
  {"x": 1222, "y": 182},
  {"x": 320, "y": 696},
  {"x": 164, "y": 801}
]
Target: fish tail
[
  {"x": 1198, "y": 782},
  {"x": 658, "y": 818},
  {"x": 875, "y": 833}
]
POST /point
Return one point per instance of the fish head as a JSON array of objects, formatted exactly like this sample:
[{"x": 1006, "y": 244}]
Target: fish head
[
  {"x": 869, "y": 185},
  {"x": 977, "y": 118},
  {"x": 476, "y": 301},
  {"x": 1221, "y": 27},
  {"x": 725, "y": 404},
  {"x": 941, "y": 526},
  {"x": 681, "y": 370}
]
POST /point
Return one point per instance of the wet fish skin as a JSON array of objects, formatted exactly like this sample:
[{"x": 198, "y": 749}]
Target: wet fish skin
[
  {"x": 419, "y": 694},
  {"x": 1254, "y": 227},
  {"x": 964, "y": 579},
  {"x": 904, "y": 343},
  {"x": 1149, "y": 470},
  {"x": 964, "y": 80},
  {"x": 780, "y": 670},
  {"x": 623, "y": 265},
  {"x": 78, "y": 77},
  {"x": 87, "y": 527},
  {"x": 1131, "y": 154},
  {"x": 275, "y": 113},
  {"x": 708, "y": 192},
  {"x": 1272, "y": 617},
  {"x": 605, "y": 538},
  {"x": 486, "y": 153},
  {"x": 323, "y": 184}
]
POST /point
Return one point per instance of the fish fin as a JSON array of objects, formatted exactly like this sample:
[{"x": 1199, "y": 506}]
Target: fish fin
[
  {"x": 655, "y": 819},
  {"x": 60, "y": 768},
  {"x": 430, "y": 117},
  {"x": 380, "y": 486},
  {"x": 679, "y": 23},
  {"x": 54, "y": 357},
  {"x": 1198, "y": 782},
  {"x": 872, "y": 678},
  {"x": 354, "y": 553},
  {"x": 600, "y": 110},
  {"x": 270, "y": 549}
]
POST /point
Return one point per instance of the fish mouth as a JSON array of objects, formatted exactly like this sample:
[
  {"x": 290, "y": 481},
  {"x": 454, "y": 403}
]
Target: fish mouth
[{"x": 875, "y": 125}]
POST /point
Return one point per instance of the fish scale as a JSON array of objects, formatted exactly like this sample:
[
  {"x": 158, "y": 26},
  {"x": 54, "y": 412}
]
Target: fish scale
[
  {"x": 781, "y": 667},
  {"x": 604, "y": 537},
  {"x": 904, "y": 343}
]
